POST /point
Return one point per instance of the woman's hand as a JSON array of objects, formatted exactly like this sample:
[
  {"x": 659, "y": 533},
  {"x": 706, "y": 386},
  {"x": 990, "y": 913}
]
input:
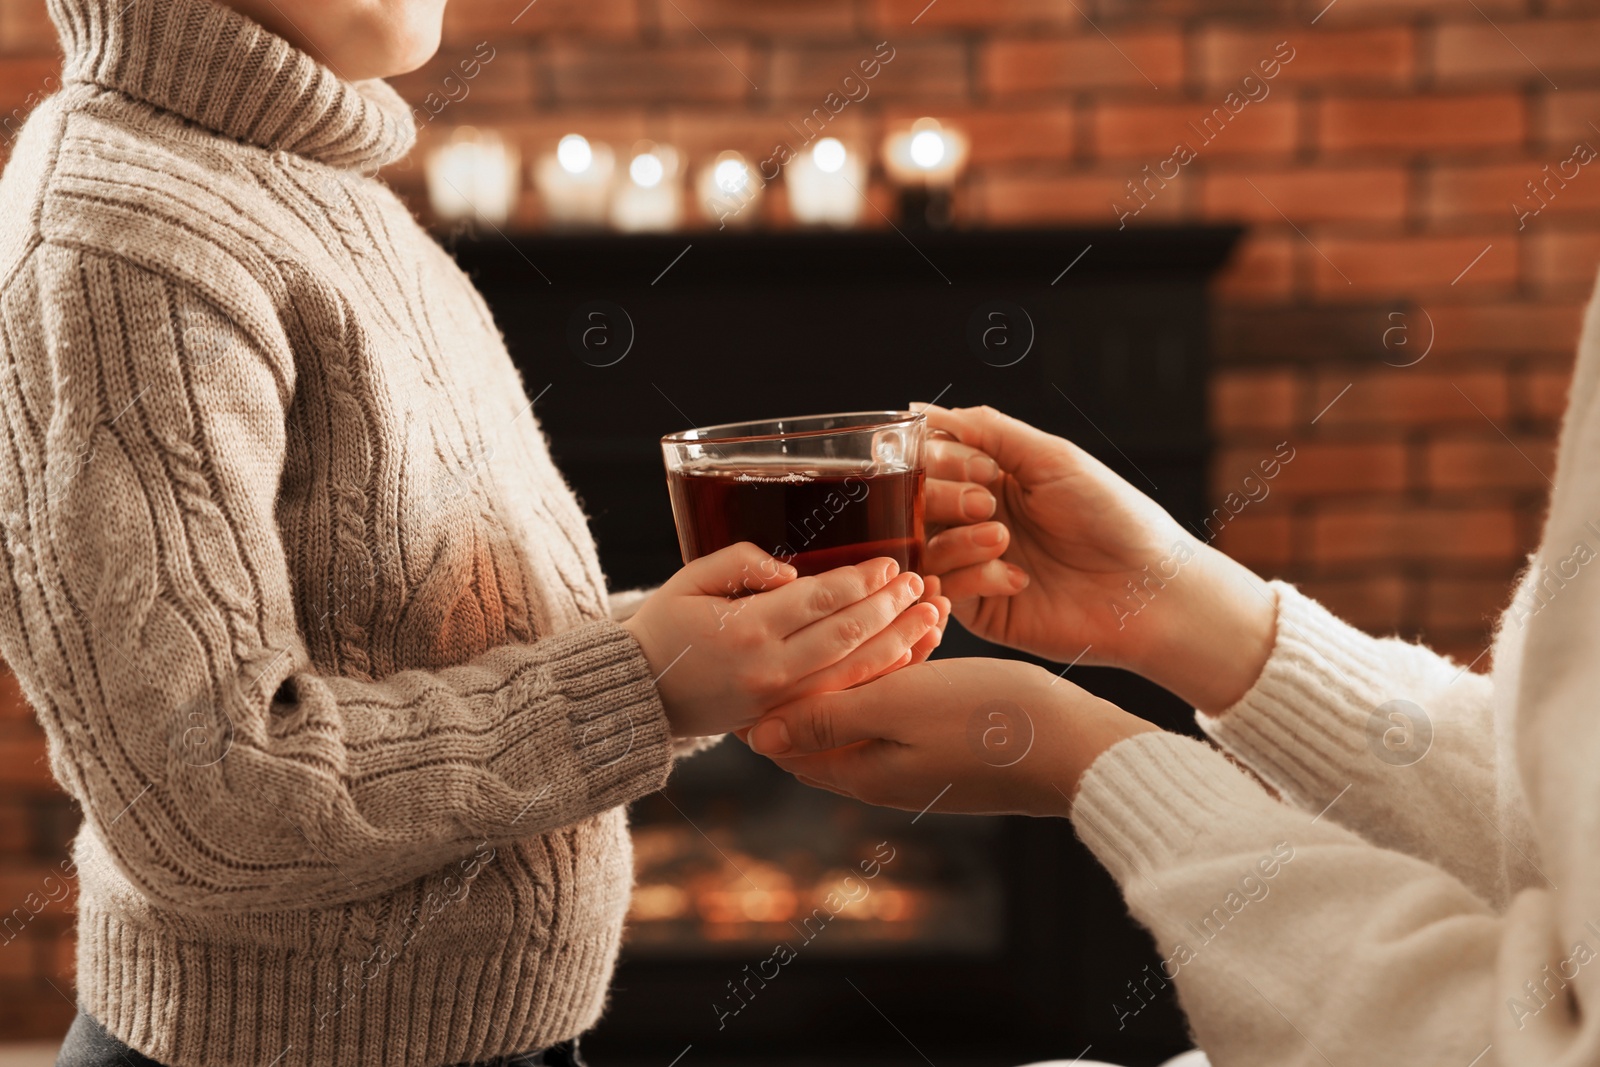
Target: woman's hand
[
  {"x": 983, "y": 736},
  {"x": 1111, "y": 572},
  {"x": 957, "y": 499},
  {"x": 736, "y": 632}
]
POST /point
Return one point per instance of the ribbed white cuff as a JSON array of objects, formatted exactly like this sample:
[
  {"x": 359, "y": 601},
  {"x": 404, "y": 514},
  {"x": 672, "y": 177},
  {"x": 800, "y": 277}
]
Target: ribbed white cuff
[
  {"x": 1308, "y": 720},
  {"x": 1146, "y": 801}
]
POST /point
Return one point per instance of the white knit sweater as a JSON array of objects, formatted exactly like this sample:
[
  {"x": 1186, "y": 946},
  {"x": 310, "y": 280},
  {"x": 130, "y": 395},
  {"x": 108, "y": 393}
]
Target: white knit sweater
[{"x": 1389, "y": 910}]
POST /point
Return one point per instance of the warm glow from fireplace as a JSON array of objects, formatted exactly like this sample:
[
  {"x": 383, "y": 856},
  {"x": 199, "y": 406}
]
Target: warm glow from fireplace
[{"x": 689, "y": 888}]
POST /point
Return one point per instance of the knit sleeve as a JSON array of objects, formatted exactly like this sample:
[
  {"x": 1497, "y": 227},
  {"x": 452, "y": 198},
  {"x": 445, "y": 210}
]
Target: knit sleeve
[
  {"x": 1382, "y": 736},
  {"x": 623, "y": 605},
  {"x": 1294, "y": 942},
  {"x": 148, "y": 611}
]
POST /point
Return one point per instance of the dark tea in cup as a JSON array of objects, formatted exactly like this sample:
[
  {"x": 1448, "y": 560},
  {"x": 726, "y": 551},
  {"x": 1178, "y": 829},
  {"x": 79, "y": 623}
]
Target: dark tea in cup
[{"x": 817, "y": 492}]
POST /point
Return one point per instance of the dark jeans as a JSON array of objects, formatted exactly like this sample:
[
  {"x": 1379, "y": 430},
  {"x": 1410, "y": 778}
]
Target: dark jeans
[{"x": 88, "y": 1044}]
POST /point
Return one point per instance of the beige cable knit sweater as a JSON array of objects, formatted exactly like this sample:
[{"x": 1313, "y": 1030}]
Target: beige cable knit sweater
[
  {"x": 315, "y": 628},
  {"x": 1428, "y": 892}
]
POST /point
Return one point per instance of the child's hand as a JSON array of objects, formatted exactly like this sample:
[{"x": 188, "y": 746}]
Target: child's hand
[{"x": 722, "y": 660}]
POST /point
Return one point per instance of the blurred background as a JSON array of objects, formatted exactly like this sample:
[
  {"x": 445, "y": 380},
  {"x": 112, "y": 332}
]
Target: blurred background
[{"x": 1376, "y": 250}]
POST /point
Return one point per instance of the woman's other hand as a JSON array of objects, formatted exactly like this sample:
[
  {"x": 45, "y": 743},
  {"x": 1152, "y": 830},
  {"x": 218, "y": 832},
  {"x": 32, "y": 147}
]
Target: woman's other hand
[{"x": 983, "y": 736}]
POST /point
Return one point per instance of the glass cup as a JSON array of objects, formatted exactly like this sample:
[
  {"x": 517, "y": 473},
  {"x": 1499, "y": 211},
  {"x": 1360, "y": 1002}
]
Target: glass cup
[{"x": 818, "y": 492}]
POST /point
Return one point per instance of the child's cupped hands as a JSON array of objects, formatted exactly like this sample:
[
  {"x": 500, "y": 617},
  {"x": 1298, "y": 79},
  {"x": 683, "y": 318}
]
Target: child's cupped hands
[{"x": 736, "y": 633}]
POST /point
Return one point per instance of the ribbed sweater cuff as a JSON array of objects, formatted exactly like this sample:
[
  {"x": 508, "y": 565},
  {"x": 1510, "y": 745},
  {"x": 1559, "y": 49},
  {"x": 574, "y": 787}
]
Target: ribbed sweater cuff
[
  {"x": 1308, "y": 718},
  {"x": 618, "y": 741},
  {"x": 1145, "y": 802},
  {"x": 624, "y": 605}
]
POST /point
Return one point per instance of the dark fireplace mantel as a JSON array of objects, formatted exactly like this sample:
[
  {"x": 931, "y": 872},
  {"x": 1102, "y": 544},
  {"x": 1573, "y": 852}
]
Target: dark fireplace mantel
[
  {"x": 719, "y": 327},
  {"x": 1097, "y": 335}
]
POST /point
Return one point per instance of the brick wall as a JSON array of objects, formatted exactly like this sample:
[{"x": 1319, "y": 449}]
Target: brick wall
[
  {"x": 1376, "y": 153},
  {"x": 36, "y": 891},
  {"x": 1377, "y": 169}
]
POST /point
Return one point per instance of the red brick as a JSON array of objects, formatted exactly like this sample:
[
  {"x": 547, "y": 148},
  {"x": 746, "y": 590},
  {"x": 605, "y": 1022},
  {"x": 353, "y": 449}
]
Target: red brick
[
  {"x": 25, "y": 82},
  {"x": 788, "y": 19},
  {"x": 1259, "y": 539},
  {"x": 1409, "y": 397},
  {"x": 462, "y": 84},
  {"x": 1378, "y": 56},
  {"x": 1376, "y": 604},
  {"x": 1316, "y": 194},
  {"x": 17, "y": 962},
  {"x": 16, "y": 827},
  {"x": 1328, "y": 335},
  {"x": 1153, "y": 133},
  {"x": 1394, "y": 532},
  {"x": 1565, "y": 118},
  {"x": 1416, "y": 124},
  {"x": 23, "y": 766},
  {"x": 1257, "y": 11},
  {"x": 632, "y": 74},
  {"x": 1254, "y": 400},
  {"x": 470, "y": 21},
  {"x": 34, "y": 1012},
  {"x": 1544, "y": 393},
  {"x": 925, "y": 71},
  {"x": 1009, "y": 15},
  {"x": 1317, "y": 469},
  {"x": 13, "y": 705},
  {"x": 1357, "y": 12},
  {"x": 60, "y": 961},
  {"x": 1352, "y": 266},
  {"x": 52, "y": 894},
  {"x": 1023, "y": 198},
  {"x": 1519, "y": 328},
  {"x": 1500, "y": 191},
  {"x": 1531, "y": 52},
  {"x": 1564, "y": 263},
  {"x": 1005, "y": 134},
  {"x": 1262, "y": 268},
  {"x": 1463, "y": 603},
  {"x": 1133, "y": 59},
  {"x": 25, "y": 27},
  {"x": 1490, "y": 462}
]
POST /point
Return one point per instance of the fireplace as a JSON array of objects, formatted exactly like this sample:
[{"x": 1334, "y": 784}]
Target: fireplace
[
  {"x": 773, "y": 923},
  {"x": 745, "y": 864}
]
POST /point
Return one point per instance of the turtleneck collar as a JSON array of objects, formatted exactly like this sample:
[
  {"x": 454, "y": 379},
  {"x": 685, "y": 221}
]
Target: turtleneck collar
[{"x": 214, "y": 66}]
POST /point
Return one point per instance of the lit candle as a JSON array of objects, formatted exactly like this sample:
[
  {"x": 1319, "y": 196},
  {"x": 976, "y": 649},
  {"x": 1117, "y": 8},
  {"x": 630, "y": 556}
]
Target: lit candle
[
  {"x": 728, "y": 190},
  {"x": 827, "y": 186},
  {"x": 473, "y": 175},
  {"x": 928, "y": 153},
  {"x": 925, "y": 161},
  {"x": 652, "y": 197},
  {"x": 575, "y": 181}
]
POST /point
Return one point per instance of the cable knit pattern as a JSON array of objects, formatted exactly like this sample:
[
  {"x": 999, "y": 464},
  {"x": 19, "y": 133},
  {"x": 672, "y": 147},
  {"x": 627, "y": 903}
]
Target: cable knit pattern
[{"x": 314, "y": 626}]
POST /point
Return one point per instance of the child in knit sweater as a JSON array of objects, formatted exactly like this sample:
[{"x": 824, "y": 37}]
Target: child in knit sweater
[{"x": 315, "y": 628}]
